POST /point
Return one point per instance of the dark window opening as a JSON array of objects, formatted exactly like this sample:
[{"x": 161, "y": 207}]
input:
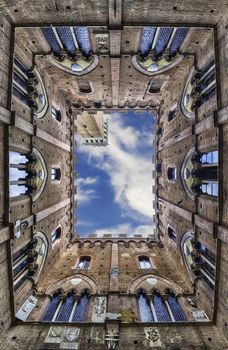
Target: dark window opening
[
  {"x": 85, "y": 87},
  {"x": 172, "y": 173},
  {"x": 55, "y": 174},
  {"x": 56, "y": 114}
]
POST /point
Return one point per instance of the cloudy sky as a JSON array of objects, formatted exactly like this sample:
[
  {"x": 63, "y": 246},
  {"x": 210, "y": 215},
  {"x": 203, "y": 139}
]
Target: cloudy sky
[{"x": 114, "y": 183}]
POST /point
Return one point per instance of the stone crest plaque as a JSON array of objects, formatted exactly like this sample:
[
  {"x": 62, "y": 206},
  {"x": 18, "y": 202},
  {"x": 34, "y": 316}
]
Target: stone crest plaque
[
  {"x": 99, "y": 309},
  {"x": 26, "y": 308},
  {"x": 66, "y": 337}
]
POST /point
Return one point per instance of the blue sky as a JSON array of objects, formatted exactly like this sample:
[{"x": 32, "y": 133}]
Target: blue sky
[{"x": 114, "y": 183}]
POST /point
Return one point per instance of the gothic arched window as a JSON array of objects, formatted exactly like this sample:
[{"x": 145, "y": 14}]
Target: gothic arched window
[
  {"x": 159, "y": 49},
  {"x": 144, "y": 262},
  {"x": 199, "y": 173},
  {"x": 28, "y": 87},
  {"x": 27, "y": 174},
  {"x": 199, "y": 88},
  {"x": 144, "y": 308},
  {"x": 176, "y": 309},
  {"x": 52, "y": 308},
  {"x": 81, "y": 308},
  {"x": 160, "y": 308},
  {"x": 66, "y": 308},
  {"x": 71, "y": 49}
]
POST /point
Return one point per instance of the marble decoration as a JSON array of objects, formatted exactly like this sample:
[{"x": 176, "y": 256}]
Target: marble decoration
[
  {"x": 26, "y": 308},
  {"x": 66, "y": 337},
  {"x": 200, "y": 316},
  {"x": 152, "y": 281},
  {"x": 153, "y": 337},
  {"x": 99, "y": 309},
  {"x": 97, "y": 335}
]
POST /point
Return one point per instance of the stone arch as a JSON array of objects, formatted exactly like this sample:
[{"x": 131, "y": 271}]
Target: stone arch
[
  {"x": 75, "y": 281},
  {"x": 150, "y": 281}
]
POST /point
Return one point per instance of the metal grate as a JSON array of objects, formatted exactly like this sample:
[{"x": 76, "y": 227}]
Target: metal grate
[
  {"x": 51, "y": 39},
  {"x": 82, "y": 36},
  {"x": 66, "y": 38},
  {"x": 160, "y": 309},
  {"x": 65, "y": 310},
  {"x": 147, "y": 39},
  {"x": 176, "y": 309},
  {"x": 178, "y": 40},
  {"x": 163, "y": 39},
  {"x": 81, "y": 309},
  {"x": 144, "y": 308},
  {"x": 51, "y": 309}
]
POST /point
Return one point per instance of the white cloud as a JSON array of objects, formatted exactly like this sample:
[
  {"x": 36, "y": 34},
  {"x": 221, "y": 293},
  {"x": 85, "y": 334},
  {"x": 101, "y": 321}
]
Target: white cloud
[
  {"x": 87, "y": 181},
  {"x": 84, "y": 193},
  {"x": 129, "y": 169}
]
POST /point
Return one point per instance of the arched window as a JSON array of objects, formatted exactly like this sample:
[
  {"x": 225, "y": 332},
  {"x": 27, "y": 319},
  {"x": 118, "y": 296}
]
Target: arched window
[
  {"x": 172, "y": 173},
  {"x": 84, "y": 87},
  {"x": 199, "y": 88},
  {"x": 156, "y": 85},
  {"x": 84, "y": 262},
  {"x": 55, "y": 174},
  {"x": 199, "y": 173},
  {"x": 40, "y": 250},
  {"x": 81, "y": 309},
  {"x": 160, "y": 308},
  {"x": 65, "y": 310},
  {"x": 52, "y": 308},
  {"x": 176, "y": 309},
  {"x": 28, "y": 261},
  {"x": 207, "y": 265},
  {"x": 144, "y": 262},
  {"x": 159, "y": 49},
  {"x": 71, "y": 49},
  {"x": 27, "y": 174},
  {"x": 56, "y": 114},
  {"x": 28, "y": 87},
  {"x": 144, "y": 308},
  {"x": 56, "y": 234},
  {"x": 199, "y": 260},
  {"x": 172, "y": 113},
  {"x": 172, "y": 234}
]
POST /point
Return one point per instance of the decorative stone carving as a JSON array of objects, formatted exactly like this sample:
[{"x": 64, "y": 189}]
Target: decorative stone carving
[
  {"x": 111, "y": 339},
  {"x": 26, "y": 308},
  {"x": 66, "y": 337},
  {"x": 114, "y": 271},
  {"x": 152, "y": 336},
  {"x": 102, "y": 42},
  {"x": 200, "y": 316},
  {"x": 70, "y": 339},
  {"x": 99, "y": 309},
  {"x": 55, "y": 335},
  {"x": 97, "y": 335}
]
